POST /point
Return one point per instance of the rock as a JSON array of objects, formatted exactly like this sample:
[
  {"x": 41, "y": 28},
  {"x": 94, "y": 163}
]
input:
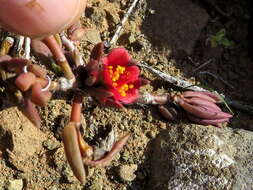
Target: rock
[
  {"x": 126, "y": 172},
  {"x": 176, "y": 24},
  {"x": 96, "y": 185},
  {"x": 68, "y": 175},
  {"x": 151, "y": 134},
  {"x": 199, "y": 157},
  {"x": 96, "y": 15},
  {"x": 59, "y": 159},
  {"x": 17, "y": 134},
  {"x": 112, "y": 17},
  {"x": 53, "y": 188},
  {"x": 92, "y": 35},
  {"x": 51, "y": 144},
  {"x": 16, "y": 184},
  {"x": 131, "y": 38}
]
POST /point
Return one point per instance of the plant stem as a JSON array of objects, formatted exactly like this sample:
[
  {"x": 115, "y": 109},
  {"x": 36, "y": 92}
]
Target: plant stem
[
  {"x": 61, "y": 60},
  {"x": 76, "y": 108}
]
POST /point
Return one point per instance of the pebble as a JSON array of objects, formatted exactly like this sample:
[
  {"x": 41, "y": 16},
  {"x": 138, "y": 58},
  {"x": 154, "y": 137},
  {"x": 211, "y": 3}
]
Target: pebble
[
  {"x": 16, "y": 184},
  {"x": 53, "y": 188},
  {"x": 126, "y": 172},
  {"x": 122, "y": 127},
  {"x": 151, "y": 134},
  {"x": 163, "y": 125},
  {"x": 90, "y": 172},
  {"x": 50, "y": 144},
  {"x": 96, "y": 185},
  {"x": 92, "y": 36},
  {"x": 131, "y": 38},
  {"x": 68, "y": 175}
]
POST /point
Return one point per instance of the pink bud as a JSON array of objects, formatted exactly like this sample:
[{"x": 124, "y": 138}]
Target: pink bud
[
  {"x": 202, "y": 95},
  {"x": 207, "y": 121}
]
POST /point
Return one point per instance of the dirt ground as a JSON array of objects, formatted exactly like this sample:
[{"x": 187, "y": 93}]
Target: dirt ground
[{"x": 35, "y": 157}]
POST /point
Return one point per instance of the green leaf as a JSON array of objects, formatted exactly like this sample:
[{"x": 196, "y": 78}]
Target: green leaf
[{"x": 226, "y": 42}]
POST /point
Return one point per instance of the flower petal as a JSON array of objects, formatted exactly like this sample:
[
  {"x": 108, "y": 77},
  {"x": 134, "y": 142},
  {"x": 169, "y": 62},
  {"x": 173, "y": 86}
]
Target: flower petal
[
  {"x": 131, "y": 96},
  {"x": 131, "y": 74},
  {"x": 118, "y": 56}
]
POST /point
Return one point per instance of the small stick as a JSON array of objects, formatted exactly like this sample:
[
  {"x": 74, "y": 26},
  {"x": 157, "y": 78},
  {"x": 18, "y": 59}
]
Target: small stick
[
  {"x": 218, "y": 9},
  {"x": 20, "y": 43},
  {"x": 184, "y": 84},
  {"x": 216, "y": 77},
  {"x": 202, "y": 65},
  {"x": 173, "y": 80},
  {"x": 70, "y": 45},
  {"x": 4, "y": 50},
  {"x": 239, "y": 105},
  {"x": 27, "y": 48},
  {"x": 6, "y": 45},
  {"x": 123, "y": 21}
]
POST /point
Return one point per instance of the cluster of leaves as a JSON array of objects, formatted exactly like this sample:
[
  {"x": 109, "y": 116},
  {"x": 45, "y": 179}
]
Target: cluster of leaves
[{"x": 220, "y": 38}]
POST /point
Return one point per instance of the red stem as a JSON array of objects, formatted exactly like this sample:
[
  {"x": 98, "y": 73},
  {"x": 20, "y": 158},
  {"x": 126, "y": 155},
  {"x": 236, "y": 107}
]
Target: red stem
[{"x": 76, "y": 108}]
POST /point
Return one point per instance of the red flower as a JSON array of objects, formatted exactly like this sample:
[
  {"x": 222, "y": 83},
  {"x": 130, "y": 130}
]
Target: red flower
[{"x": 121, "y": 76}]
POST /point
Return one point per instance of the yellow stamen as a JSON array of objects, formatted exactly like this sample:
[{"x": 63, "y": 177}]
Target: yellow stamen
[
  {"x": 131, "y": 86},
  {"x": 123, "y": 93},
  {"x": 115, "y": 73}
]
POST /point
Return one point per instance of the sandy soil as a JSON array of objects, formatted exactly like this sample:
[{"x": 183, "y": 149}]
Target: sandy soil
[{"x": 35, "y": 156}]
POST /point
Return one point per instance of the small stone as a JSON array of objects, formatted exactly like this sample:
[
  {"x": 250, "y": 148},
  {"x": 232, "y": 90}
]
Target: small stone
[
  {"x": 50, "y": 144},
  {"x": 90, "y": 171},
  {"x": 131, "y": 38},
  {"x": 126, "y": 172},
  {"x": 96, "y": 185},
  {"x": 125, "y": 156},
  {"x": 67, "y": 175},
  {"x": 53, "y": 188},
  {"x": 112, "y": 17},
  {"x": 16, "y": 184},
  {"x": 163, "y": 125},
  {"x": 122, "y": 127},
  {"x": 151, "y": 134},
  {"x": 92, "y": 36},
  {"x": 96, "y": 15},
  {"x": 151, "y": 11}
]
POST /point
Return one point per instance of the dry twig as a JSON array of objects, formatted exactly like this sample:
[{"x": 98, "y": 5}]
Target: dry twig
[
  {"x": 173, "y": 80},
  {"x": 122, "y": 23},
  {"x": 19, "y": 45},
  {"x": 216, "y": 77},
  {"x": 27, "y": 48},
  {"x": 202, "y": 65}
]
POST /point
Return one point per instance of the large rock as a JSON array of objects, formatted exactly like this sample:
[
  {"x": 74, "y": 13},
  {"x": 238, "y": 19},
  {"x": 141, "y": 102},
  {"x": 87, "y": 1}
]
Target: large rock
[
  {"x": 198, "y": 157},
  {"x": 175, "y": 24}
]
